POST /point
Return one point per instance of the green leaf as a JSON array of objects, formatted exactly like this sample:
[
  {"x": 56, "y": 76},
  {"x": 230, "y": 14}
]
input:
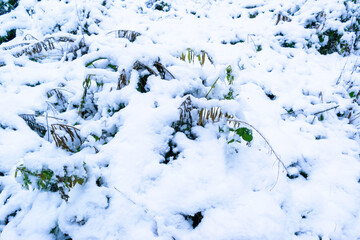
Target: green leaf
[
  {"x": 244, "y": 133},
  {"x": 240, "y": 131},
  {"x": 352, "y": 94},
  {"x": 231, "y": 141},
  {"x": 221, "y": 130},
  {"x": 80, "y": 181},
  {"x": 96, "y": 138},
  {"x": 247, "y": 137},
  {"x": 113, "y": 67},
  {"x": 92, "y": 62}
]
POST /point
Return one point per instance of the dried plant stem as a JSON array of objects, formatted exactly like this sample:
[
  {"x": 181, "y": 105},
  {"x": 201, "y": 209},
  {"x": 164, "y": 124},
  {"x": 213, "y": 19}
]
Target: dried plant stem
[
  {"x": 130, "y": 200},
  {"x": 215, "y": 115},
  {"x": 146, "y": 211},
  {"x": 327, "y": 110},
  {"x": 266, "y": 141},
  {"x": 52, "y": 117},
  {"x": 212, "y": 87},
  {"x": 279, "y": 161}
]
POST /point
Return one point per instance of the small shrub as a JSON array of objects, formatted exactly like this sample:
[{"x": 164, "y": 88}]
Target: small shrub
[
  {"x": 229, "y": 81},
  {"x": 9, "y": 36},
  {"x": 329, "y": 41},
  {"x": 46, "y": 180},
  {"x": 287, "y": 44},
  {"x": 160, "y": 6},
  {"x": 254, "y": 14},
  {"x": 172, "y": 153},
  {"x": 8, "y": 5},
  {"x": 66, "y": 137}
]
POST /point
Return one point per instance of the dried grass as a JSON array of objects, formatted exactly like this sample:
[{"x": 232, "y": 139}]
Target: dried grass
[
  {"x": 281, "y": 17},
  {"x": 128, "y": 34},
  {"x": 68, "y": 140}
]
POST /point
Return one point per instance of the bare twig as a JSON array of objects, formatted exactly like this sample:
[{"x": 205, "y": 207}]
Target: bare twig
[
  {"x": 326, "y": 110},
  {"x": 267, "y": 142},
  {"x": 130, "y": 200}
]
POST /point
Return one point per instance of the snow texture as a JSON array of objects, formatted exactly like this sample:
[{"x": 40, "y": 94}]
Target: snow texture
[{"x": 145, "y": 177}]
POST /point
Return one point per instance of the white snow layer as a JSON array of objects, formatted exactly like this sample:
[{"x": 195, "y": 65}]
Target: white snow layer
[{"x": 297, "y": 98}]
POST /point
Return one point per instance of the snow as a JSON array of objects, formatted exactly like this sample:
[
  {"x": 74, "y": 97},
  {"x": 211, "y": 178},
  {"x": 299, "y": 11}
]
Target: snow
[{"x": 296, "y": 100}]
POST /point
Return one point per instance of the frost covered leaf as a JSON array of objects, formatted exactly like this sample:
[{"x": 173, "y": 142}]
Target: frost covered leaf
[
  {"x": 244, "y": 133},
  {"x": 141, "y": 66},
  {"x": 35, "y": 126},
  {"x": 8, "y": 5},
  {"x": 54, "y": 47},
  {"x": 128, "y": 34},
  {"x": 185, "y": 111},
  {"x": 122, "y": 81},
  {"x": 318, "y": 23},
  {"x": 281, "y": 17},
  {"x": 163, "y": 72},
  {"x": 87, "y": 106},
  {"x": 107, "y": 65},
  {"x": 37, "y": 48},
  {"x": 46, "y": 180},
  {"x": 61, "y": 103},
  {"x": 144, "y": 72},
  {"x": 66, "y": 137},
  {"x": 11, "y": 34}
]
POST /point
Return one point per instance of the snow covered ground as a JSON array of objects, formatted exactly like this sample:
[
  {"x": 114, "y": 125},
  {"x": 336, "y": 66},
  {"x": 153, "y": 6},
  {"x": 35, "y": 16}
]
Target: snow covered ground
[{"x": 99, "y": 126}]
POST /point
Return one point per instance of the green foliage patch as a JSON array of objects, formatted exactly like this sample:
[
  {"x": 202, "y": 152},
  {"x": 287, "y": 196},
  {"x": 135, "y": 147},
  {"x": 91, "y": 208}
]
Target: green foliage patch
[{"x": 46, "y": 180}]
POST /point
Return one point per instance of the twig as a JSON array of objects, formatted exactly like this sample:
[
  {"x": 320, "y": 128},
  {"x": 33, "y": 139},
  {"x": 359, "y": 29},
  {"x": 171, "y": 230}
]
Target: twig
[
  {"x": 146, "y": 211},
  {"x": 130, "y": 200},
  {"x": 47, "y": 125},
  {"x": 51, "y": 117},
  {"x": 326, "y": 110},
  {"x": 356, "y": 116},
  {"x": 249, "y": 36},
  {"x": 271, "y": 148},
  {"x": 342, "y": 71}
]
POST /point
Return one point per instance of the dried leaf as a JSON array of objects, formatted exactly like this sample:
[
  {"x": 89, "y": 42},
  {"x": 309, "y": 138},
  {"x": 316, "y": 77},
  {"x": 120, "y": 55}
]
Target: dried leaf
[
  {"x": 163, "y": 72},
  {"x": 122, "y": 82},
  {"x": 185, "y": 111},
  {"x": 140, "y": 66},
  {"x": 281, "y": 17},
  {"x": 31, "y": 122},
  {"x": 62, "y": 141},
  {"x": 128, "y": 34}
]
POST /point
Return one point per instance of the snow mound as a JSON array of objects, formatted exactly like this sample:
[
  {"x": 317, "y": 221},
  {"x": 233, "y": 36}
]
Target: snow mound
[{"x": 178, "y": 119}]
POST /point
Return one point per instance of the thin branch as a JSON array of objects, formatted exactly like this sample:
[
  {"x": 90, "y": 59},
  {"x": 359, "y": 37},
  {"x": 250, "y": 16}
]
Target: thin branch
[
  {"x": 130, "y": 200},
  {"x": 267, "y": 142},
  {"x": 51, "y": 117},
  {"x": 326, "y": 110}
]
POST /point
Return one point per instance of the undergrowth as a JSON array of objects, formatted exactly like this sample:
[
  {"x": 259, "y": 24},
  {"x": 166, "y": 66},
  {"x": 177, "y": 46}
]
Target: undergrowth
[{"x": 47, "y": 180}]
